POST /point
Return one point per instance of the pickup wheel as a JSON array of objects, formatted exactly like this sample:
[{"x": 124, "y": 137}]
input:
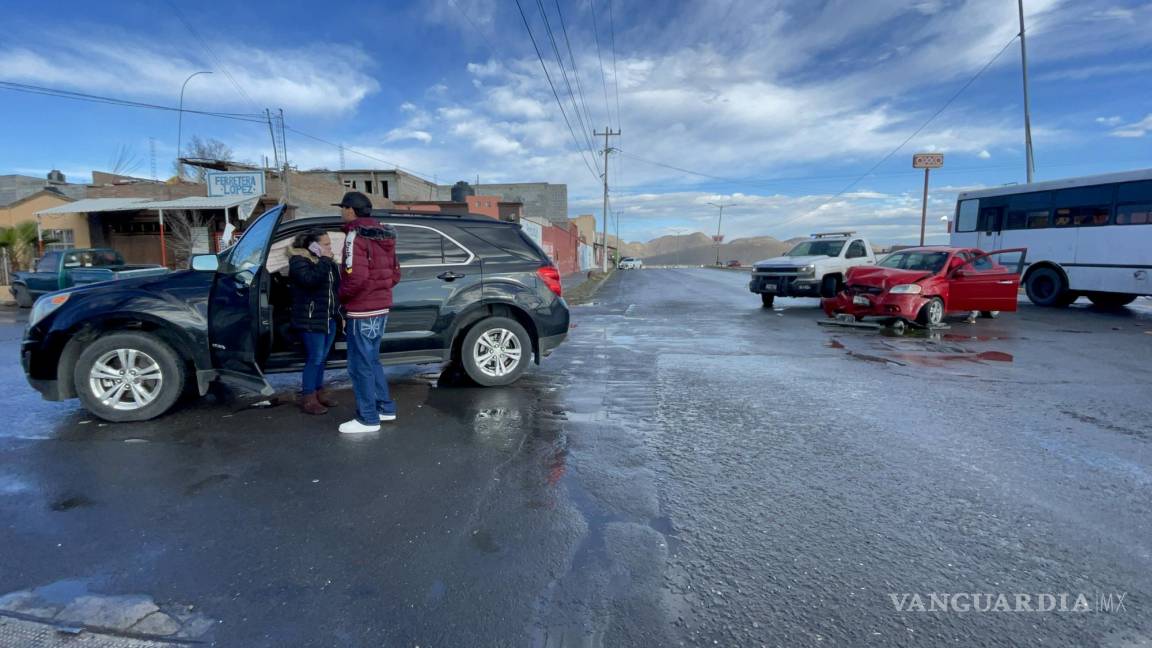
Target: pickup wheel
[
  {"x": 766, "y": 300},
  {"x": 128, "y": 376},
  {"x": 831, "y": 286},
  {"x": 23, "y": 297},
  {"x": 496, "y": 351}
]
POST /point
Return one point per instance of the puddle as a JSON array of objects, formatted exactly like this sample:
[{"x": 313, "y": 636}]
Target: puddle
[
  {"x": 957, "y": 337},
  {"x": 942, "y": 359},
  {"x": 70, "y": 502},
  {"x": 834, "y": 344}
]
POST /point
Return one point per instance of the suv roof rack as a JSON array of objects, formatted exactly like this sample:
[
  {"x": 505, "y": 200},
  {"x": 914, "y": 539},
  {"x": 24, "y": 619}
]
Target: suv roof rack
[{"x": 832, "y": 234}]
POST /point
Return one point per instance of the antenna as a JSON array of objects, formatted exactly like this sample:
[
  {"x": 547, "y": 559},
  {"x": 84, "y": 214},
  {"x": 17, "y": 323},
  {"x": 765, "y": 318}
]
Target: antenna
[{"x": 152, "y": 155}]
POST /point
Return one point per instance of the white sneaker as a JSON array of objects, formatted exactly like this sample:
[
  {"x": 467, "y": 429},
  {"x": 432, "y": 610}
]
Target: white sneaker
[
  {"x": 387, "y": 417},
  {"x": 356, "y": 427}
]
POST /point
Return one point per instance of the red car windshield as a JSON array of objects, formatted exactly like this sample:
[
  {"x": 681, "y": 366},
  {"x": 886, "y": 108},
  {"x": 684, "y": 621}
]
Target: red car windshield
[{"x": 911, "y": 260}]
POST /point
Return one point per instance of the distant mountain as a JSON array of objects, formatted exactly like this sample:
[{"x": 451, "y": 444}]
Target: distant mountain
[{"x": 697, "y": 249}]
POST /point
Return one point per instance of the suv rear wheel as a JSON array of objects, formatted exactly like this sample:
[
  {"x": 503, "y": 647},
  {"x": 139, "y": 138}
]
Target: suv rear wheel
[
  {"x": 128, "y": 377},
  {"x": 496, "y": 351}
]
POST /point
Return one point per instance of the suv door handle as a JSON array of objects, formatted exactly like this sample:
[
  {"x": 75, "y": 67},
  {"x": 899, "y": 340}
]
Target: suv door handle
[{"x": 449, "y": 276}]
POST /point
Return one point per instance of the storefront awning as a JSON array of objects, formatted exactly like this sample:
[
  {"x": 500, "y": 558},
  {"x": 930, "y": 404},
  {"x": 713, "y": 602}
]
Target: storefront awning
[{"x": 89, "y": 205}]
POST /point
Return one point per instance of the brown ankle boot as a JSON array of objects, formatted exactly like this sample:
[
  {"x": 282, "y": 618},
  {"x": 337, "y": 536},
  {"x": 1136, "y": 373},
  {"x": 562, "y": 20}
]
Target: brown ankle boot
[
  {"x": 325, "y": 399},
  {"x": 311, "y": 405}
]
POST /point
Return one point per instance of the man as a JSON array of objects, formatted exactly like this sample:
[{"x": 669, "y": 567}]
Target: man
[{"x": 369, "y": 270}]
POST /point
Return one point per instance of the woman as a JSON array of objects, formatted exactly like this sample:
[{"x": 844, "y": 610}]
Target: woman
[{"x": 315, "y": 307}]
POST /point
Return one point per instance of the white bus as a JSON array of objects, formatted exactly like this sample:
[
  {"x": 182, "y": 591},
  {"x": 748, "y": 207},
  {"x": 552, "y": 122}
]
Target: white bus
[{"x": 1088, "y": 236}]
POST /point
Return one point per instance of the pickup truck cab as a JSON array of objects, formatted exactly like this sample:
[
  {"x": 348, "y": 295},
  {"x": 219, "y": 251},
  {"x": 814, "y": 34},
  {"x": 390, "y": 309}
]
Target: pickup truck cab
[
  {"x": 812, "y": 268},
  {"x": 474, "y": 292},
  {"x": 61, "y": 269}
]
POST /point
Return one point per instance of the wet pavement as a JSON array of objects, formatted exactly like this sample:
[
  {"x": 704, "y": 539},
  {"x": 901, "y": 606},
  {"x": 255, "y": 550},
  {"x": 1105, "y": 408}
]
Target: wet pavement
[{"x": 688, "y": 469}]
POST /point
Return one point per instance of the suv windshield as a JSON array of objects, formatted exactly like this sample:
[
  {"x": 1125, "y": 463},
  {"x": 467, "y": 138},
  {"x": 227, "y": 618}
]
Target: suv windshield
[
  {"x": 817, "y": 248},
  {"x": 926, "y": 261}
]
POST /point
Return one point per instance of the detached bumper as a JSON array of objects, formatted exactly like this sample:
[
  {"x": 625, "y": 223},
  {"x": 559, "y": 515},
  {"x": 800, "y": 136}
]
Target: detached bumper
[{"x": 883, "y": 306}]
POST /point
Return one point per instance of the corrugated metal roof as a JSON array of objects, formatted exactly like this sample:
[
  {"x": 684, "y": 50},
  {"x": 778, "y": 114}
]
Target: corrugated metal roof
[
  {"x": 97, "y": 205},
  {"x": 198, "y": 202},
  {"x": 133, "y": 204}
]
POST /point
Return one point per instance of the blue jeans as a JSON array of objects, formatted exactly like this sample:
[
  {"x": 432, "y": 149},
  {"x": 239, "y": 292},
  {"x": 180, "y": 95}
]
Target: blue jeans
[
  {"x": 317, "y": 346},
  {"x": 368, "y": 382}
]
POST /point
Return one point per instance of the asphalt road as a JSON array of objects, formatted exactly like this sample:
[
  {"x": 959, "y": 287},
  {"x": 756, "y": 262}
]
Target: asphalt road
[{"x": 688, "y": 469}]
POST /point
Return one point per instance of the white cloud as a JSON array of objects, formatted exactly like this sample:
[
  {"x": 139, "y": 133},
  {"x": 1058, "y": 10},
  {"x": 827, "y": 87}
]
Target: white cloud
[
  {"x": 400, "y": 134},
  {"x": 305, "y": 79},
  {"x": 984, "y": 154},
  {"x": 1110, "y": 121},
  {"x": 1138, "y": 129}
]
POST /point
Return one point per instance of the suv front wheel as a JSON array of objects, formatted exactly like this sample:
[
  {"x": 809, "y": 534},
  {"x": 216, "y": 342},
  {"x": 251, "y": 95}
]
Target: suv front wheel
[
  {"x": 128, "y": 376},
  {"x": 496, "y": 351}
]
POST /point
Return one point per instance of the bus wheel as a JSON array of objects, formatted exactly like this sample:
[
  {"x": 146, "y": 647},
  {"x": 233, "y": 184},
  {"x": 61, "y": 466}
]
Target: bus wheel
[
  {"x": 1111, "y": 300},
  {"x": 1046, "y": 287}
]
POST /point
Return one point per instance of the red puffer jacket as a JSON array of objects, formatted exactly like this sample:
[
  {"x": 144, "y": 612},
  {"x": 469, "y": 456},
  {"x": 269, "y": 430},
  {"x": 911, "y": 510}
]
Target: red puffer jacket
[{"x": 369, "y": 269}]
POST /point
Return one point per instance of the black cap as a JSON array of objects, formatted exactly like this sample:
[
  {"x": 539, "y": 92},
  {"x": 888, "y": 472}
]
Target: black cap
[{"x": 355, "y": 200}]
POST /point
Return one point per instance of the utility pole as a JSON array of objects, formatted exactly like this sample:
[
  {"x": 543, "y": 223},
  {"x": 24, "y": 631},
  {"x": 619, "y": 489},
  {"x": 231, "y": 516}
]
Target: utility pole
[
  {"x": 284, "y": 145},
  {"x": 718, "y": 222},
  {"x": 1027, "y": 112},
  {"x": 607, "y": 149}
]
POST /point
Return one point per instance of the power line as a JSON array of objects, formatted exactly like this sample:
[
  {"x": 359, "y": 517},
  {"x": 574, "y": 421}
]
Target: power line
[
  {"x": 555, "y": 94},
  {"x": 615, "y": 77},
  {"x": 600, "y": 57},
  {"x": 572, "y": 57},
  {"x": 362, "y": 154},
  {"x": 564, "y": 73},
  {"x": 884, "y": 159},
  {"x": 81, "y": 96},
  {"x": 211, "y": 53}
]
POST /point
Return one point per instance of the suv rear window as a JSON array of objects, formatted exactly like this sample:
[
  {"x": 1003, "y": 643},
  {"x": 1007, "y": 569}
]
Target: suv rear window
[
  {"x": 417, "y": 246},
  {"x": 511, "y": 241}
]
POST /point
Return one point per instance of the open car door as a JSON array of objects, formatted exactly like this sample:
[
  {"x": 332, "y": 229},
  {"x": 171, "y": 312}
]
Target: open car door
[
  {"x": 990, "y": 281},
  {"x": 239, "y": 311}
]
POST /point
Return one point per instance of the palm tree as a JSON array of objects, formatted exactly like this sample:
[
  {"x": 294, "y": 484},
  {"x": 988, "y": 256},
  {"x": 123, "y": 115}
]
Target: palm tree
[{"x": 22, "y": 243}]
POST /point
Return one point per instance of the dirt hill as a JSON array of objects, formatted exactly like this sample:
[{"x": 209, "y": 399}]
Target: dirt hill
[{"x": 697, "y": 249}]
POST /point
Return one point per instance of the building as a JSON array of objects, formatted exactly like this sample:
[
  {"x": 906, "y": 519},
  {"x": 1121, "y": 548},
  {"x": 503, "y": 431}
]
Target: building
[
  {"x": 540, "y": 200},
  {"x": 490, "y": 206},
  {"x": 393, "y": 184},
  {"x": 22, "y": 196}
]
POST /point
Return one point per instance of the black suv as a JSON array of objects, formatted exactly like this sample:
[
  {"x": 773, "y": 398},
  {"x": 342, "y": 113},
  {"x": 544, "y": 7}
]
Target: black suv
[{"x": 128, "y": 349}]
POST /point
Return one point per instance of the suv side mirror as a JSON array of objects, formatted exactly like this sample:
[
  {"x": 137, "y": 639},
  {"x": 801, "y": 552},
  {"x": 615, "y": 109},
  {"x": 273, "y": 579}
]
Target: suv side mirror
[{"x": 206, "y": 263}]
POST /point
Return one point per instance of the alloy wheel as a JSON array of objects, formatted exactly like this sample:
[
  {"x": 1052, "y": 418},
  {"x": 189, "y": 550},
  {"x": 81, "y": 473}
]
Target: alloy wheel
[
  {"x": 497, "y": 352},
  {"x": 125, "y": 379}
]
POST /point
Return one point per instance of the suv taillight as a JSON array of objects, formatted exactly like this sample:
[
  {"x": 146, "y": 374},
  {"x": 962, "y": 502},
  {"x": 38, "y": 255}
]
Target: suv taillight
[{"x": 551, "y": 278}]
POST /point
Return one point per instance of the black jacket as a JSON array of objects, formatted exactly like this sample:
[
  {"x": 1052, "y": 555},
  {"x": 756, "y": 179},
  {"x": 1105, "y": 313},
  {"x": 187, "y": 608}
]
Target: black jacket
[{"x": 315, "y": 285}]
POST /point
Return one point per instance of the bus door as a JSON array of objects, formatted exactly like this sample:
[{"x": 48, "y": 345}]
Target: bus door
[{"x": 990, "y": 227}]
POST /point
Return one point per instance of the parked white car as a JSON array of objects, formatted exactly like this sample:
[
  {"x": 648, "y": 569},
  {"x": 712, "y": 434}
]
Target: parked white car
[
  {"x": 630, "y": 263},
  {"x": 813, "y": 268}
]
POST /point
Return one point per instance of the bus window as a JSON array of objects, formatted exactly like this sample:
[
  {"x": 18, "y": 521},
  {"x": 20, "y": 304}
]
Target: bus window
[
  {"x": 1028, "y": 211},
  {"x": 1134, "y": 214},
  {"x": 1083, "y": 206},
  {"x": 990, "y": 219},
  {"x": 966, "y": 216}
]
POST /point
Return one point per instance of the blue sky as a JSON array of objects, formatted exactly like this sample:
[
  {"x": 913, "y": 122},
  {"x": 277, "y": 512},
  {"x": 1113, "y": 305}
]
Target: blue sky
[{"x": 784, "y": 102}]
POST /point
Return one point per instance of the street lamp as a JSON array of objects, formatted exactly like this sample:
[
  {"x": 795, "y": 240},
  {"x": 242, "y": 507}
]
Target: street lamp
[
  {"x": 718, "y": 222},
  {"x": 180, "y": 122}
]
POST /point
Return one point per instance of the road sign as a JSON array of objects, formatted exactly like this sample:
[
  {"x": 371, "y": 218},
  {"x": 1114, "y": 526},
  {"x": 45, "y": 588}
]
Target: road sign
[
  {"x": 718, "y": 238},
  {"x": 927, "y": 160}
]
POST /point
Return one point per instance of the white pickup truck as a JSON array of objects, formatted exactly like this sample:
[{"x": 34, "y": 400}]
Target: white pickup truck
[{"x": 813, "y": 268}]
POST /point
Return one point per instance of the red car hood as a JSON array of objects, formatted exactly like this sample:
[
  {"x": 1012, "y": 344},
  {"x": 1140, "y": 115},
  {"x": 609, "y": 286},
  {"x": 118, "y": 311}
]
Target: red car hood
[{"x": 885, "y": 278}]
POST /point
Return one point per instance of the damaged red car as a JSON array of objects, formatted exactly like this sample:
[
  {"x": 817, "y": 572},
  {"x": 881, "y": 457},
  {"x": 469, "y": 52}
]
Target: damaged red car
[{"x": 923, "y": 284}]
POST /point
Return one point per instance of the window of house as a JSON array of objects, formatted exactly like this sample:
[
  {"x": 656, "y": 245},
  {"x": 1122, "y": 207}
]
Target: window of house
[
  {"x": 348, "y": 184},
  {"x": 368, "y": 187},
  {"x": 58, "y": 239}
]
